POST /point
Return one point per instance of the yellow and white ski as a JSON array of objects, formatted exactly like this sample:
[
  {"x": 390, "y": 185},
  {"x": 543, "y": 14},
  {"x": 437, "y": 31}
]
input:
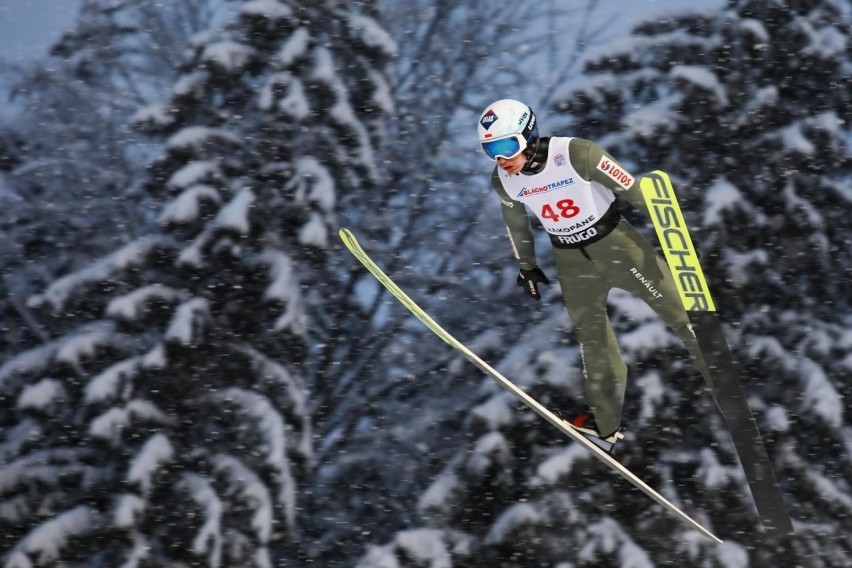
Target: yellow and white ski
[{"x": 355, "y": 248}]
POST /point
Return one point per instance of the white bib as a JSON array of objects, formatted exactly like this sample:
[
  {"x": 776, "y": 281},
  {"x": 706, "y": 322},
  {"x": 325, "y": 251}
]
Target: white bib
[{"x": 565, "y": 203}]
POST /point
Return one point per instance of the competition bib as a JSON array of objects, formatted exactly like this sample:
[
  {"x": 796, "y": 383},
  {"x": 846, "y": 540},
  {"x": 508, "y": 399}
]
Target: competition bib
[{"x": 567, "y": 205}]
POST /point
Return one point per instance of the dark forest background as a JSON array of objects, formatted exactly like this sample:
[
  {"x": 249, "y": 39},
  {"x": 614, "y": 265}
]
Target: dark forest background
[{"x": 194, "y": 372}]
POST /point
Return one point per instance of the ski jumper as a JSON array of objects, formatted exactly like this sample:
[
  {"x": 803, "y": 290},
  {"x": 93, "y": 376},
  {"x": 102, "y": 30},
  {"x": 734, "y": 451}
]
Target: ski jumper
[{"x": 595, "y": 249}]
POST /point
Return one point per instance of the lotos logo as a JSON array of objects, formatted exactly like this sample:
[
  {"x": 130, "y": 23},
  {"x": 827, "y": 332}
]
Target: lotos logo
[
  {"x": 488, "y": 119},
  {"x": 614, "y": 171}
]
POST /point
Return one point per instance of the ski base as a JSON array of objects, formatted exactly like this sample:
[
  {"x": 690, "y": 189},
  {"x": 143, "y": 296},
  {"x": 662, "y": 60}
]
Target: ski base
[
  {"x": 733, "y": 403},
  {"x": 682, "y": 258}
]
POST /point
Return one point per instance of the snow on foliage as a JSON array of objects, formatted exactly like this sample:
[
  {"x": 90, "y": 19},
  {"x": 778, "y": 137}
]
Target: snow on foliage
[
  {"x": 714, "y": 475},
  {"x": 777, "y": 419},
  {"x": 280, "y": 379},
  {"x": 379, "y": 557},
  {"x": 755, "y": 28},
  {"x": 341, "y": 111},
  {"x": 430, "y": 548},
  {"x": 132, "y": 305},
  {"x": 273, "y": 431},
  {"x": 833, "y": 492},
  {"x": 821, "y": 397},
  {"x": 193, "y": 255},
  {"x": 560, "y": 465},
  {"x": 648, "y": 338},
  {"x": 703, "y": 78},
  {"x": 128, "y": 510},
  {"x": 762, "y": 101},
  {"x": 41, "y": 395},
  {"x": 190, "y": 84},
  {"x": 795, "y": 141},
  {"x": 490, "y": 450},
  {"x": 192, "y": 138},
  {"x": 294, "y": 48},
  {"x": 230, "y": 56},
  {"x": 186, "y": 206},
  {"x": 251, "y": 490},
  {"x": 83, "y": 345},
  {"x": 320, "y": 131},
  {"x": 131, "y": 255},
  {"x": 322, "y": 68},
  {"x": 284, "y": 288},
  {"x": 438, "y": 498},
  {"x": 46, "y": 541},
  {"x": 647, "y": 120},
  {"x": 313, "y": 184},
  {"x": 17, "y": 435},
  {"x": 46, "y": 468},
  {"x": 155, "y": 358},
  {"x": 235, "y": 214},
  {"x": 271, "y": 9},
  {"x": 607, "y": 537},
  {"x": 827, "y": 122},
  {"x": 314, "y": 233},
  {"x": 552, "y": 370},
  {"x": 32, "y": 361},
  {"x": 209, "y": 539},
  {"x": 153, "y": 116},
  {"x": 425, "y": 545},
  {"x": 732, "y": 555},
  {"x": 826, "y": 42},
  {"x": 155, "y": 453},
  {"x": 739, "y": 266},
  {"x": 693, "y": 544},
  {"x": 801, "y": 207},
  {"x": 189, "y": 319},
  {"x": 720, "y": 197},
  {"x": 630, "y": 307},
  {"x": 517, "y": 516},
  {"x": 383, "y": 96},
  {"x": 653, "y": 391},
  {"x": 140, "y": 549},
  {"x": 496, "y": 412},
  {"x": 372, "y": 34},
  {"x": 195, "y": 173},
  {"x": 114, "y": 422},
  {"x": 294, "y": 104},
  {"x": 770, "y": 348}
]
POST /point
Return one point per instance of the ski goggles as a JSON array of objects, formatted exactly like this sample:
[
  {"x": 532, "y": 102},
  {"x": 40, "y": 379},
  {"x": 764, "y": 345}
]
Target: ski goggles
[{"x": 507, "y": 147}]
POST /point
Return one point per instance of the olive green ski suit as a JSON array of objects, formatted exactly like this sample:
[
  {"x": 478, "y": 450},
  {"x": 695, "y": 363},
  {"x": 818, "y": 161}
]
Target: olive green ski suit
[{"x": 595, "y": 250}]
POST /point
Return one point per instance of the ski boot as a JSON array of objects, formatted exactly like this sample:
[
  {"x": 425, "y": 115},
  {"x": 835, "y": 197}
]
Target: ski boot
[{"x": 584, "y": 423}]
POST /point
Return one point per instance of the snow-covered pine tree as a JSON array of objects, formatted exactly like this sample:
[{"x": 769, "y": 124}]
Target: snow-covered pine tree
[
  {"x": 166, "y": 422},
  {"x": 384, "y": 407},
  {"x": 70, "y": 155},
  {"x": 749, "y": 111}
]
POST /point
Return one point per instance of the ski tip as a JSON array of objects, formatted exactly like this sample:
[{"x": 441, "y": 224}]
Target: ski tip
[{"x": 347, "y": 237}]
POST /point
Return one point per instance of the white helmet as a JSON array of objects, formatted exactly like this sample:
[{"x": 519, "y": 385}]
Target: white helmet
[{"x": 506, "y": 128}]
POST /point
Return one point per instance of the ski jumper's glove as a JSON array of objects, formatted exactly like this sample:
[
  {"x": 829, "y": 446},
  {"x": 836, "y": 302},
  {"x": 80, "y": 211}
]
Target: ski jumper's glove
[{"x": 530, "y": 279}]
